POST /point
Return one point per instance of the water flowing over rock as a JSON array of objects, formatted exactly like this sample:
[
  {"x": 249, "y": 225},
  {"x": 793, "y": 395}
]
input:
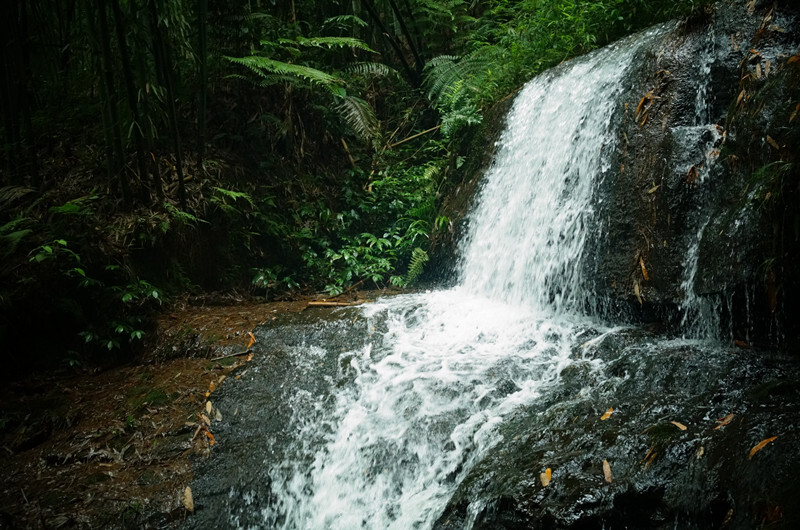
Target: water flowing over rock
[{"x": 443, "y": 409}]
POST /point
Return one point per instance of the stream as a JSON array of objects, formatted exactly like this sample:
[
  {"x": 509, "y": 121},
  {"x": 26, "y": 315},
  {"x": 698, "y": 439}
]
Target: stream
[{"x": 442, "y": 409}]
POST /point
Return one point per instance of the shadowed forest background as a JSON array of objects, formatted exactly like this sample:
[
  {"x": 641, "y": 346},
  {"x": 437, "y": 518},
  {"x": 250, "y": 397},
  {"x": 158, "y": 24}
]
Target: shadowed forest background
[{"x": 152, "y": 148}]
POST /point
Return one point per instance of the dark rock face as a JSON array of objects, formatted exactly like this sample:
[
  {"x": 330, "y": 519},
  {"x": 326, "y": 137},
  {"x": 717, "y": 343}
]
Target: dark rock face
[
  {"x": 692, "y": 138},
  {"x": 672, "y": 462},
  {"x": 701, "y": 184}
]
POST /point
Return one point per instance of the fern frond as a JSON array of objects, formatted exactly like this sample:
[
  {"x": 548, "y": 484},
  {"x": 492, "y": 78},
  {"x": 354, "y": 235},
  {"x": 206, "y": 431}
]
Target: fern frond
[
  {"x": 264, "y": 67},
  {"x": 361, "y": 117},
  {"x": 334, "y": 42},
  {"x": 418, "y": 260},
  {"x": 371, "y": 70},
  {"x": 9, "y": 194},
  {"x": 343, "y": 21}
]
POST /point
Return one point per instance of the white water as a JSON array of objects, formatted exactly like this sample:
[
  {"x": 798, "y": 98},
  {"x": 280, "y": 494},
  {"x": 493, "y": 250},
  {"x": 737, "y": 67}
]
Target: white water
[{"x": 425, "y": 397}]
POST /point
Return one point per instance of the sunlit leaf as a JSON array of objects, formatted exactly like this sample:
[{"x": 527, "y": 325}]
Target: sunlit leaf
[
  {"x": 252, "y": 340},
  {"x": 681, "y": 426},
  {"x": 607, "y": 471},
  {"x": 760, "y": 445},
  {"x": 607, "y": 414}
]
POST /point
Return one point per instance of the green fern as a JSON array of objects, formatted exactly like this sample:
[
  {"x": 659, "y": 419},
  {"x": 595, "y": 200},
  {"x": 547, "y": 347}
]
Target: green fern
[
  {"x": 418, "y": 260},
  {"x": 266, "y": 68},
  {"x": 361, "y": 117},
  {"x": 368, "y": 69}
]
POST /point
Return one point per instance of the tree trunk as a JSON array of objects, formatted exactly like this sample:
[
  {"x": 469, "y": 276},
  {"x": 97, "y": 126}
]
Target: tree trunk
[
  {"x": 130, "y": 90},
  {"x": 202, "y": 13},
  {"x": 163, "y": 63},
  {"x": 111, "y": 103}
]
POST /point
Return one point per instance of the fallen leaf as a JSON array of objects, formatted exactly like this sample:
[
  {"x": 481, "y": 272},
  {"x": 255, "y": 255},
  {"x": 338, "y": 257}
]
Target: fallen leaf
[
  {"x": 650, "y": 456},
  {"x": 205, "y": 419},
  {"x": 221, "y": 379},
  {"x": 208, "y": 407},
  {"x": 681, "y": 426},
  {"x": 793, "y": 59},
  {"x": 212, "y": 386},
  {"x": 217, "y": 415},
  {"x": 725, "y": 420},
  {"x": 766, "y": 68},
  {"x": 692, "y": 175},
  {"x": 701, "y": 452},
  {"x": 607, "y": 414},
  {"x": 794, "y": 114},
  {"x": 653, "y": 189},
  {"x": 644, "y": 270},
  {"x": 187, "y": 500},
  {"x": 637, "y": 291},
  {"x": 741, "y": 95},
  {"x": 772, "y": 142},
  {"x": 760, "y": 445},
  {"x": 733, "y": 44},
  {"x": 252, "y": 339},
  {"x": 209, "y": 436},
  {"x": 607, "y": 471},
  {"x": 546, "y": 476},
  {"x": 758, "y": 70},
  {"x": 249, "y": 358}
]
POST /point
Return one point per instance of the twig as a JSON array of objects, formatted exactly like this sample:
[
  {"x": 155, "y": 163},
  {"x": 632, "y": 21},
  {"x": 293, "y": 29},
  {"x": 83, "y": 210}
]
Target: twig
[
  {"x": 359, "y": 282},
  {"x": 230, "y": 355},
  {"x": 414, "y": 136},
  {"x": 327, "y": 303}
]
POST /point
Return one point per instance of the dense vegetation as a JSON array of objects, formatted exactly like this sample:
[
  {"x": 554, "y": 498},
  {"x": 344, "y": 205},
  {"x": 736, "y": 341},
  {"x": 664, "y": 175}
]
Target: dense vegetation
[{"x": 153, "y": 147}]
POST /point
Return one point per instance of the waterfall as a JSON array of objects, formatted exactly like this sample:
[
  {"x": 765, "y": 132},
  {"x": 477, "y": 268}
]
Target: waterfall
[
  {"x": 527, "y": 235},
  {"x": 413, "y": 410}
]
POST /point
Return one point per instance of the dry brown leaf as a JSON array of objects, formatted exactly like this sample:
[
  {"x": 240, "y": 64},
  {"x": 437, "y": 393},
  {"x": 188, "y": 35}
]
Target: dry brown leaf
[
  {"x": 249, "y": 358},
  {"x": 741, "y": 96},
  {"x": 692, "y": 175},
  {"x": 725, "y": 420},
  {"x": 607, "y": 471},
  {"x": 186, "y": 498},
  {"x": 208, "y": 407},
  {"x": 217, "y": 415},
  {"x": 644, "y": 270},
  {"x": 758, "y": 70},
  {"x": 653, "y": 189},
  {"x": 637, "y": 290},
  {"x": 767, "y": 65},
  {"x": 607, "y": 414},
  {"x": 760, "y": 445},
  {"x": 771, "y": 141},
  {"x": 733, "y": 44},
  {"x": 204, "y": 419},
  {"x": 212, "y": 386},
  {"x": 794, "y": 114},
  {"x": 793, "y": 59},
  {"x": 681, "y": 426},
  {"x": 252, "y": 339},
  {"x": 700, "y": 452},
  {"x": 546, "y": 476},
  {"x": 209, "y": 436}
]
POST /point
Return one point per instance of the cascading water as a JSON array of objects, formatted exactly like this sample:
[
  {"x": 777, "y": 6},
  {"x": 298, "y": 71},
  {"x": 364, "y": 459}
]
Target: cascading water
[
  {"x": 417, "y": 406},
  {"x": 441, "y": 409}
]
